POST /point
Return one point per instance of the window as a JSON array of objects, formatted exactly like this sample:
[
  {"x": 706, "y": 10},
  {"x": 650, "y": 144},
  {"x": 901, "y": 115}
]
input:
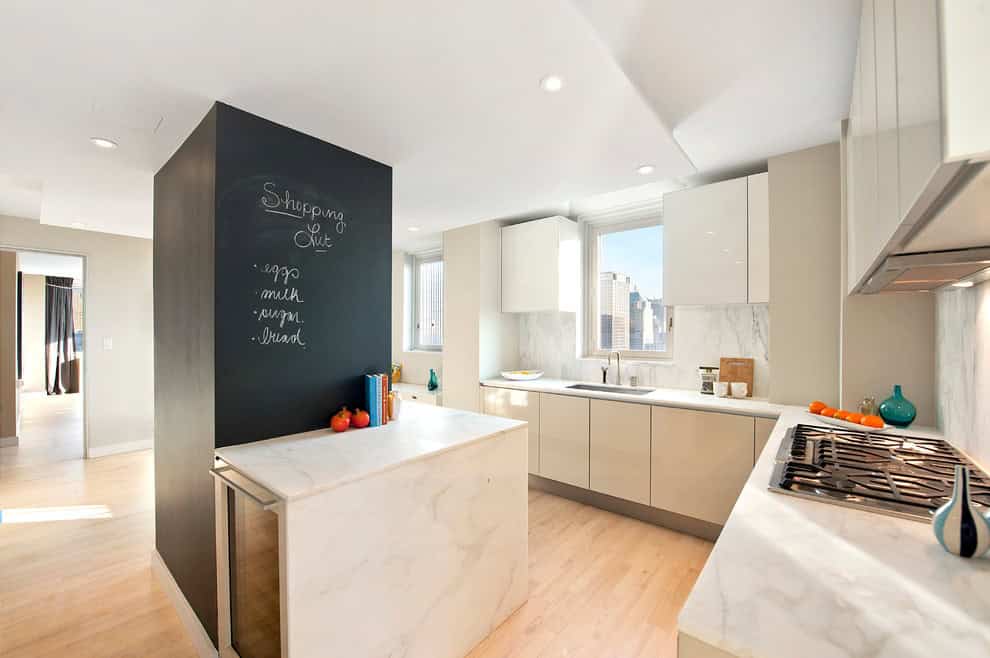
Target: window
[
  {"x": 427, "y": 302},
  {"x": 624, "y": 291}
]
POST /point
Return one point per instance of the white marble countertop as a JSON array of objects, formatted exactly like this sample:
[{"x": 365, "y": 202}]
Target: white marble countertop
[
  {"x": 791, "y": 577},
  {"x": 670, "y": 397},
  {"x": 301, "y": 465}
]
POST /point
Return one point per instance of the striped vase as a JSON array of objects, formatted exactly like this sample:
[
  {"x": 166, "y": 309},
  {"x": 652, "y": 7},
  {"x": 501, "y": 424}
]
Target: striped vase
[{"x": 959, "y": 526}]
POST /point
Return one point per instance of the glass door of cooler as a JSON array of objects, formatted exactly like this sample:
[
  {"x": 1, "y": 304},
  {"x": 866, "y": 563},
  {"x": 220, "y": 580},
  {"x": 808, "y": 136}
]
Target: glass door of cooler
[{"x": 255, "y": 617}]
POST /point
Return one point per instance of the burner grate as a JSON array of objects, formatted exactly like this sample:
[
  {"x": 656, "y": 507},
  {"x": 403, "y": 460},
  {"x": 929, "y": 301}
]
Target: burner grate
[{"x": 907, "y": 476}]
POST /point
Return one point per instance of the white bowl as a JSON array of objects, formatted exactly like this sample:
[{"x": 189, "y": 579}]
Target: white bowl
[{"x": 522, "y": 375}]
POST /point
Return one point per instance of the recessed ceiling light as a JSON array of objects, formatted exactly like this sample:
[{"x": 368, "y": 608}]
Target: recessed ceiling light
[
  {"x": 709, "y": 232},
  {"x": 644, "y": 170},
  {"x": 552, "y": 83},
  {"x": 963, "y": 284},
  {"x": 103, "y": 142},
  {"x": 413, "y": 228}
]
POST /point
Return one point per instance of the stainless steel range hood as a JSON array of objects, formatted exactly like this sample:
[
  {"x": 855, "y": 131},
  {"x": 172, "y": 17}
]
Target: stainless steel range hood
[
  {"x": 926, "y": 271},
  {"x": 952, "y": 244}
]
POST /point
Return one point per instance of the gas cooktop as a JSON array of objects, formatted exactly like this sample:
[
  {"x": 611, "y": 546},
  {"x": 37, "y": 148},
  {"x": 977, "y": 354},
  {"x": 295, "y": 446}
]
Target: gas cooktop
[{"x": 904, "y": 476}]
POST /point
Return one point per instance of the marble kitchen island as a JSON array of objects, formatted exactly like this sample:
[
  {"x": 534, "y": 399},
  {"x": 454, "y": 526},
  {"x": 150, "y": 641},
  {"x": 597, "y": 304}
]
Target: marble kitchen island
[{"x": 407, "y": 539}]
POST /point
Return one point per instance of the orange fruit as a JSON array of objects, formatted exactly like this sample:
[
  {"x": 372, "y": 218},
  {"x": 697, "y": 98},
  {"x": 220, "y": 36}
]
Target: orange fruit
[
  {"x": 854, "y": 417},
  {"x": 872, "y": 421},
  {"x": 816, "y": 407},
  {"x": 828, "y": 411},
  {"x": 842, "y": 414}
]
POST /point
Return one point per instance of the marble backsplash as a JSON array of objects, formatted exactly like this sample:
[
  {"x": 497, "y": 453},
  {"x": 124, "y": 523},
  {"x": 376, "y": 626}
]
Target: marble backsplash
[
  {"x": 702, "y": 334},
  {"x": 962, "y": 368}
]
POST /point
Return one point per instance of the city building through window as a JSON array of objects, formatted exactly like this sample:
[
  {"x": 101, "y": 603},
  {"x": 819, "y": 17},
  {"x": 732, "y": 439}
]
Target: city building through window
[{"x": 625, "y": 290}]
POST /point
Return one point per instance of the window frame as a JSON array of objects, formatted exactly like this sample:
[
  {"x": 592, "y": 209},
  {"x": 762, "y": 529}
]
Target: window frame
[
  {"x": 417, "y": 259},
  {"x": 594, "y": 227}
]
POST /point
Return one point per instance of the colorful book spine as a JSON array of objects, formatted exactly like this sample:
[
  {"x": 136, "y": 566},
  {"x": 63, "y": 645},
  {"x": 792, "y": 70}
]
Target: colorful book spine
[
  {"x": 377, "y": 401},
  {"x": 384, "y": 399},
  {"x": 371, "y": 393}
]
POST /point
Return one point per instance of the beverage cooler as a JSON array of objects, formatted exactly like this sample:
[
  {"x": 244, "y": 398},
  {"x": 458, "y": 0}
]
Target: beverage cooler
[{"x": 249, "y": 563}]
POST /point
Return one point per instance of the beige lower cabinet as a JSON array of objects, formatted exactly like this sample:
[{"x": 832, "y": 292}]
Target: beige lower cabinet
[
  {"x": 564, "y": 441},
  {"x": 520, "y": 405},
  {"x": 620, "y": 450},
  {"x": 764, "y": 427},
  {"x": 700, "y": 461}
]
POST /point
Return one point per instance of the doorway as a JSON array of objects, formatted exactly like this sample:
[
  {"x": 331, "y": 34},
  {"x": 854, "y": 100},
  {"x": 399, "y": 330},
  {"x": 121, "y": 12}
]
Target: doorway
[{"x": 50, "y": 352}]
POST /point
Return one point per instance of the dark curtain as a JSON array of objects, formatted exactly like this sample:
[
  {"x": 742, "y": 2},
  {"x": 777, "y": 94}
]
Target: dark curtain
[{"x": 60, "y": 348}]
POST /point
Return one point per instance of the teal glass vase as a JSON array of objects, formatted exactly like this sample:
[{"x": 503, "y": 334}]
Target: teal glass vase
[
  {"x": 897, "y": 410},
  {"x": 432, "y": 385}
]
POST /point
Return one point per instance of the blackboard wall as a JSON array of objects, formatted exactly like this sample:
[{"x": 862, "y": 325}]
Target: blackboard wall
[
  {"x": 272, "y": 283},
  {"x": 303, "y": 278}
]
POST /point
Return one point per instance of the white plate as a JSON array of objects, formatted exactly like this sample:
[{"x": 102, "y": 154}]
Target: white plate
[
  {"x": 522, "y": 375},
  {"x": 847, "y": 425}
]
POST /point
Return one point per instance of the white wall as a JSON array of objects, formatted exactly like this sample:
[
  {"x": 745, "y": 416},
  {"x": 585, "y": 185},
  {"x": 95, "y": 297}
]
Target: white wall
[
  {"x": 415, "y": 364},
  {"x": 478, "y": 339},
  {"x": 805, "y": 203},
  {"x": 461, "y": 317},
  {"x": 33, "y": 332},
  {"x": 119, "y": 383},
  {"x": 962, "y": 356}
]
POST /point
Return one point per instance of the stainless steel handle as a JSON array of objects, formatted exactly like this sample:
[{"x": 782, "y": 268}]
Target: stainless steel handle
[{"x": 219, "y": 474}]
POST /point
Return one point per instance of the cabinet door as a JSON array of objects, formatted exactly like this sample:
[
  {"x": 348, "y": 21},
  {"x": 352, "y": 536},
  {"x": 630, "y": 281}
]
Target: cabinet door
[
  {"x": 700, "y": 461},
  {"x": 520, "y": 405},
  {"x": 764, "y": 427},
  {"x": 759, "y": 238},
  {"x": 919, "y": 112},
  {"x": 564, "y": 438},
  {"x": 864, "y": 242},
  {"x": 620, "y": 450},
  {"x": 704, "y": 244},
  {"x": 530, "y": 267},
  {"x": 888, "y": 202}
]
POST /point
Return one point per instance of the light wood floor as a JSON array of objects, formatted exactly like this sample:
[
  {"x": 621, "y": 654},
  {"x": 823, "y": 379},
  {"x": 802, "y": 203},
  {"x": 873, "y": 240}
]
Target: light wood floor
[
  {"x": 601, "y": 585},
  {"x": 80, "y": 588}
]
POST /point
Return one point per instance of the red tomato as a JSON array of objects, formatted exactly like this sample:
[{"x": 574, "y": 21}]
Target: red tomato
[
  {"x": 360, "y": 419},
  {"x": 344, "y": 411},
  {"x": 340, "y": 422}
]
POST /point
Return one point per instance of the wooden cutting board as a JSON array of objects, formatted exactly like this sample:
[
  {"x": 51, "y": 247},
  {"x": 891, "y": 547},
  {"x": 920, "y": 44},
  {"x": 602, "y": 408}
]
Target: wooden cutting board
[{"x": 734, "y": 369}]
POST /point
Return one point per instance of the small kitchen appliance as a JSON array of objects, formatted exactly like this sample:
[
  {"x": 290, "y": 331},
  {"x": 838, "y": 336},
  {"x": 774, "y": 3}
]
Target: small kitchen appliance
[{"x": 709, "y": 375}]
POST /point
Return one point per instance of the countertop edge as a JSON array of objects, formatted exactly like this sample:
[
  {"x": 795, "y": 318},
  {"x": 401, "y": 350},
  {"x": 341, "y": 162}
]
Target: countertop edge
[
  {"x": 741, "y": 407},
  {"x": 287, "y": 498}
]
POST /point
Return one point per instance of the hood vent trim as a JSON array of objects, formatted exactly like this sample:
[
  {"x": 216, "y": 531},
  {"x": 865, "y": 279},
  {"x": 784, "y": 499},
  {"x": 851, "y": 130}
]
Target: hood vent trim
[{"x": 928, "y": 271}]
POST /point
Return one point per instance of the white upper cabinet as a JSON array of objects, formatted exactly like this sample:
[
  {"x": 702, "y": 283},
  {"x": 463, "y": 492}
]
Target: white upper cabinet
[
  {"x": 541, "y": 266},
  {"x": 919, "y": 129},
  {"x": 920, "y": 76},
  {"x": 885, "y": 63},
  {"x": 759, "y": 238},
  {"x": 704, "y": 244},
  {"x": 716, "y": 243}
]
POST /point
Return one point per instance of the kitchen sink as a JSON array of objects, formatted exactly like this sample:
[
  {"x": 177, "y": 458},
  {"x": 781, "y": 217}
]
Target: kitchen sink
[{"x": 609, "y": 388}]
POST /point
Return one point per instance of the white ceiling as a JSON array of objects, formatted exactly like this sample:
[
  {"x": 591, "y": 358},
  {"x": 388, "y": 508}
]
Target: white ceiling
[
  {"x": 446, "y": 93},
  {"x": 36, "y": 262}
]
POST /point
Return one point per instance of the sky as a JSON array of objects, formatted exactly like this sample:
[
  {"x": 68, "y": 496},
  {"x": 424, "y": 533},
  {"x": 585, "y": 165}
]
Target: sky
[{"x": 637, "y": 253}]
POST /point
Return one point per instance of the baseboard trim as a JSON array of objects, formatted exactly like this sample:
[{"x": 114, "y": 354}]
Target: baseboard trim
[
  {"x": 9, "y": 442},
  {"x": 200, "y": 639},
  {"x": 117, "y": 448},
  {"x": 645, "y": 513}
]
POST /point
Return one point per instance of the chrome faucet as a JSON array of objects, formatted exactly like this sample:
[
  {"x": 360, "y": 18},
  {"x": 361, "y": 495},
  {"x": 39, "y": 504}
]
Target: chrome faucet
[{"x": 618, "y": 368}]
